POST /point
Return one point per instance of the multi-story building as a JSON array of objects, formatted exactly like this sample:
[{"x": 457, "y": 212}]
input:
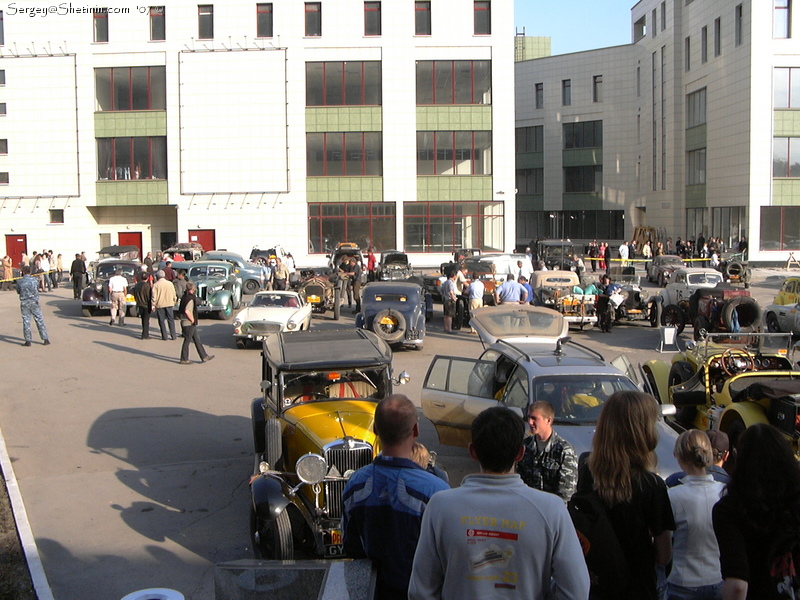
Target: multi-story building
[
  {"x": 690, "y": 129},
  {"x": 245, "y": 123}
]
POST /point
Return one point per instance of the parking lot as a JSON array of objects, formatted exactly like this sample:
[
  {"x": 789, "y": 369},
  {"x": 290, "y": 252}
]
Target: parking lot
[{"x": 134, "y": 469}]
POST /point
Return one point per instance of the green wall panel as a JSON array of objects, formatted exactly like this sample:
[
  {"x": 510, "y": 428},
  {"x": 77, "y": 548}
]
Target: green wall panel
[
  {"x": 454, "y": 118},
  {"x": 786, "y": 192},
  {"x": 696, "y": 138},
  {"x": 442, "y": 188},
  {"x": 130, "y": 123},
  {"x": 530, "y": 160},
  {"x": 582, "y": 157},
  {"x": 696, "y": 196},
  {"x": 131, "y": 193},
  {"x": 786, "y": 123},
  {"x": 591, "y": 201},
  {"x": 344, "y": 189},
  {"x": 344, "y": 118},
  {"x": 530, "y": 203}
]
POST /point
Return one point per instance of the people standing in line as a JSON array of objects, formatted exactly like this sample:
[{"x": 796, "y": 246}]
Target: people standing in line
[
  {"x": 143, "y": 293},
  {"x": 549, "y": 463},
  {"x": 28, "y": 290},
  {"x": 164, "y": 300},
  {"x": 188, "y": 315},
  {"x": 695, "y": 573},
  {"x": 475, "y": 292},
  {"x": 117, "y": 293},
  {"x": 8, "y": 273},
  {"x": 757, "y": 521},
  {"x": 621, "y": 469},
  {"x": 383, "y": 503},
  {"x": 77, "y": 271},
  {"x": 495, "y": 537},
  {"x": 449, "y": 299},
  {"x": 355, "y": 282}
]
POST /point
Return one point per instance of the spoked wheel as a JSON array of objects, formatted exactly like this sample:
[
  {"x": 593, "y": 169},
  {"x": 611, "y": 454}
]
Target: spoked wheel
[
  {"x": 672, "y": 316},
  {"x": 272, "y": 540}
]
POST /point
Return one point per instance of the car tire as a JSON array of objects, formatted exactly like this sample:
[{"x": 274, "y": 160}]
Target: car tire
[
  {"x": 273, "y": 442},
  {"x": 274, "y": 540},
  {"x": 773, "y": 326},
  {"x": 226, "y": 312},
  {"x": 672, "y": 316},
  {"x": 747, "y": 310},
  {"x": 87, "y": 312},
  {"x": 250, "y": 287},
  {"x": 461, "y": 311},
  {"x": 337, "y": 303},
  {"x": 734, "y": 269},
  {"x": 655, "y": 314},
  {"x": 390, "y": 333}
]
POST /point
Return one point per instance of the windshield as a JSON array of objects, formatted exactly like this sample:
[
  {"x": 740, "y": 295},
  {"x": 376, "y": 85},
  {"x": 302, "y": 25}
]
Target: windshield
[
  {"x": 522, "y": 321},
  {"x": 704, "y": 278},
  {"x": 208, "y": 271},
  {"x": 756, "y": 343},
  {"x": 108, "y": 271},
  {"x": 313, "y": 386},
  {"x": 670, "y": 261},
  {"x": 290, "y": 301},
  {"x": 558, "y": 251},
  {"x": 577, "y": 399}
]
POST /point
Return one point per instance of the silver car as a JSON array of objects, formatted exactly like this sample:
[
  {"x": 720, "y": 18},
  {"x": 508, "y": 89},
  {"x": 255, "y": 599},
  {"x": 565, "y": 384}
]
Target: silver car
[{"x": 530, "y": 358}]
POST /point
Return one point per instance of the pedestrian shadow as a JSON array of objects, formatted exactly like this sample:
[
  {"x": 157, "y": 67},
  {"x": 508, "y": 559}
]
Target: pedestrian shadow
[{"x": 144, "y": 352}]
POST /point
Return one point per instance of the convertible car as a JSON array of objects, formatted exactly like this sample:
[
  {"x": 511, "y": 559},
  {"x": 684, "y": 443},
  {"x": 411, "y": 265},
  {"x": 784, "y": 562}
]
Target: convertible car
[{"x": 271, "y": 312}]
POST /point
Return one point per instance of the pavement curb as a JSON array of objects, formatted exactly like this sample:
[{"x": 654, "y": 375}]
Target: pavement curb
[{"x": 38, "y": 577}]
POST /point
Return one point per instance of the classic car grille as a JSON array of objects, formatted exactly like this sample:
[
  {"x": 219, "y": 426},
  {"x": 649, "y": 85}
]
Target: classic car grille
[
  {"x": 315, "y": 290},
  {"x": 261, "y": 327},
  {"x": 202, "y": 292},
  {"x": 344, "y": 458}
]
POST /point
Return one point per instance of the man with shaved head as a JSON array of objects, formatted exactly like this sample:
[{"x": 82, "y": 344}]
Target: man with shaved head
[{"x": 384, "y": 502}]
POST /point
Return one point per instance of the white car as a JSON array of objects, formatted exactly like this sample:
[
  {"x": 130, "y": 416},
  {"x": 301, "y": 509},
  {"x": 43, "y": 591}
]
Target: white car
[
  {"x": 268, "y": 313},
  {"x": 783, "y": 318}
]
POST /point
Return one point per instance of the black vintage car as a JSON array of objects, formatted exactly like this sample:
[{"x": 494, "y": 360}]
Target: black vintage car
[
  {"x": 96, "y": 296},
  {"x": 322, "y": 290},
  {"x": 312, "y": 429},
  {"x": 396, "y": 311},
  {"x": 393, "y": 266},
  {"x": 556, "y": 254}
]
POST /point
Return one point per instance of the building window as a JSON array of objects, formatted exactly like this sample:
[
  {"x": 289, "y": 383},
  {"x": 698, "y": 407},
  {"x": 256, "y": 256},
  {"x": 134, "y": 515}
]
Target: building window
[
  {"x": 638, "y": 82},
  {"x": 2, "y": 30},
  {"x": 313, "y": 19},
  {"x": 717, "y": 36},
  {"x": 696, "y": 108},
  {"x": 687, "y": 49},
  {"x": 337, "y": 83},
  {"x": 422, "y": 18},
  {"x": 566, "y": 92},
  {"x": 57, "y": 215},
  {"x": 704, "y": 45},
  {"x": 365, "y": 223},
  {"x": 158, "y": 27},
  {"x": 205, "y": 21},
  {"x": 530, "y": 182},
  {"x": 2, "y": 108},
  {"x": 586, "y": 134},
  {"x": 786, "y": 87},
  {"x": 539, "y": 94},
  {"x": 3, "y": 178},
  {"x": 340, "y": 154},
  {"x": 639, "y": 29},
  {"x": 3, "y": 146},
  {"x": 696, "y": 167},
  {"x": 131, "y": 88},
  {"x": 130, "y": 158},
  {"x": 597, "y": 88},
  {"x": 729, "y": 223},
  {"x": 445, "y": 226},
  {"x": 483, "y": 17},
  {"x": 529, "y": 139},
  {"x": 100, "y": 22},
  {"x": 654, "y": 28},
  {"x": 786, "y": 157},
  {"x": 454, "y": 82},
  {"x": 2, "y": 76},
  {"x": 780, "y": 228},
  {"x": 738, "y": 19},
  {"x": 454, "y": 153},
  {"x": 372, "y": 18},
  {"x": 582, "y": 180},
  {"x": 782, "y": 24},
  {"x": 663, "y": 16},
  {"x": 264, "y": 20}
]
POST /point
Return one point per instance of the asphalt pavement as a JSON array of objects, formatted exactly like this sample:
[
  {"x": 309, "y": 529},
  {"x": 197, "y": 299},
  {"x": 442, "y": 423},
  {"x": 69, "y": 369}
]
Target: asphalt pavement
[{"x": 134, "y": 469}]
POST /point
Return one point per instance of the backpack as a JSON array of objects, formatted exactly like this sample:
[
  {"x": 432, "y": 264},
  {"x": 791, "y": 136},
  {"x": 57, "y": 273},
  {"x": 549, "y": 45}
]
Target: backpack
[{"x": 608, "y": 570}]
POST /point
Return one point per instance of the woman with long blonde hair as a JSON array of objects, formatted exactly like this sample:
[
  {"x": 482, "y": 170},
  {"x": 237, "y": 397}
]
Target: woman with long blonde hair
[{"x": 620, "y": 470}]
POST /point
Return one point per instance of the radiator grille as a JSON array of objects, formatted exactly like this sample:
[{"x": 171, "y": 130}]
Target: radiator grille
[
  {"x": 344, "y": 459},
  {"x": 314, "y": 290}
]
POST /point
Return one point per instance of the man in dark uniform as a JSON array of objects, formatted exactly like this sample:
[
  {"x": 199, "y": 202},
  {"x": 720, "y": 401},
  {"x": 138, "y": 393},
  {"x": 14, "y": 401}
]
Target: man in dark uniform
[
  {"x": 356, "y": 283},
  {"x": 78, "y": 273},
  {"x": 28, "y": 290}
]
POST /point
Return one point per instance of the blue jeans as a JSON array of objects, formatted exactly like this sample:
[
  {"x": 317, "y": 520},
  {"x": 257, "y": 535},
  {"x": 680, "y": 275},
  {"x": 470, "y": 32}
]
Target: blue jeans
[{"x": 703, "y": 592}]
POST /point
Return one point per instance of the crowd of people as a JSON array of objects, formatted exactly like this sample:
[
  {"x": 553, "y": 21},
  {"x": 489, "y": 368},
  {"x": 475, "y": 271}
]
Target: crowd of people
[{"x": 517, "y": 528}]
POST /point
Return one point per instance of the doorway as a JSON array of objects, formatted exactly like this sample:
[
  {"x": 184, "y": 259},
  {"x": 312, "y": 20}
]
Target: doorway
[
  {"x": 16, "y": 244},
  {"x": 205, "y": 237},
  {"x": 131, "y": 238}
]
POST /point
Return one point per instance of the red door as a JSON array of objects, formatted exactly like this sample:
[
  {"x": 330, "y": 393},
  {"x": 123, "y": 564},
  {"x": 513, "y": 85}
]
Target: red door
[
  {"x": 205, "y": 237},
  {"x": 131, "y": 238},
  {"x": 16, "y": 244}
]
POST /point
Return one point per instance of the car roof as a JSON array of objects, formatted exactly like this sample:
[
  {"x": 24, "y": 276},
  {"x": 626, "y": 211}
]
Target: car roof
[
  {"x": 322, "y": 349},
  {"x": 546, "y": 359},
  {"x": 204, "y": 263},
  {"x": 277, "y": 293},
  {"x": 393, "y": 287},
  {"x": 691, "y": 270},
  {"x": 518, "y": 322}
]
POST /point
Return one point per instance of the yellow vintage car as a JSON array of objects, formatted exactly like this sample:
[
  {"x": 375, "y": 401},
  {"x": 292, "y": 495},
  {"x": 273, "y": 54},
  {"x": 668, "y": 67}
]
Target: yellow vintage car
[
  {"x": 729, "y": 382},
  {"x": 789, "y": 292},
  {"x": 312, "y": 428}
]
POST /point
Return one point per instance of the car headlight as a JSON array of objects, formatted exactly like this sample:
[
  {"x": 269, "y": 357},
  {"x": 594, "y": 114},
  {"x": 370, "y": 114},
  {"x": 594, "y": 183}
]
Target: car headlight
[
  {"x": 311, "y": 468},
  {"x": 291, "y": 326},
  {"x": 215, "y": 289},
  {"x": 237, "y": 322},
  {"x": 98, "y": 287}
]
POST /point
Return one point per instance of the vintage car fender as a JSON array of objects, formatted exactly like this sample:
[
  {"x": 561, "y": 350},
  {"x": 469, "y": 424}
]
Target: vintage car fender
[
  {"x": 657, "y": 373},
  {"x": 360, "y": 321},
  {"x": 270, "y": 496},
  {"x": 91, "y": 295},
  {"x": 749, "y": 412},
  {"x": 221, "y": 298}
]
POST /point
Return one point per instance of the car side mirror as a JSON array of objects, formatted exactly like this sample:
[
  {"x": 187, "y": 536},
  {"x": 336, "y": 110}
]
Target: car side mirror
[
  {"x": 266, "y": 384},
  {"x": 403, "y": 378},
  {"x": 668, "y": 410}
]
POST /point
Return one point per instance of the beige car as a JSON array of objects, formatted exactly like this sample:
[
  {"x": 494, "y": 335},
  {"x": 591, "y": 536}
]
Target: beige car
[{"x": 559, "y": 290}]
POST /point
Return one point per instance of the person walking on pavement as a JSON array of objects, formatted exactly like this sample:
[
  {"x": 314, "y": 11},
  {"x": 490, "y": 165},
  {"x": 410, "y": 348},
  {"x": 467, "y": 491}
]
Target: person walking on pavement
[
  {"x": 188, "y": 315},
  {"x": 164, "y": 300},
  {"x": 143, "y": 293},
  {"x": 117, "y": 291},
  {"x": 78, "y": 273},
  {"x": 8, "y": 272},
  {"x": 28, "y": 290}
]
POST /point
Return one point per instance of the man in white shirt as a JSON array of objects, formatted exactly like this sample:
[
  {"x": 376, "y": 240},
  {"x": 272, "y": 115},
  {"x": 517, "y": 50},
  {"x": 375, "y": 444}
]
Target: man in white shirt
[
  {"x": 623, "y": 254},
  {"x": 117, "y": 291},
  {"x": 475, "y": 291}
]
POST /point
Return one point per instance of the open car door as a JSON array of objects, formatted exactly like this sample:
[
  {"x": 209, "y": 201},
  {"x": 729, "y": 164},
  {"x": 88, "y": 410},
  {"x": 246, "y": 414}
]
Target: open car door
[
  {"x": 622, "y": 363},
  {"x": 454, "y": 392}
]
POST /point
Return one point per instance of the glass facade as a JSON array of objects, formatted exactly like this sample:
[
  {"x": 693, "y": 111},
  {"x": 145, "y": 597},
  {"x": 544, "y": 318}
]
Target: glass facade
[
  {"x": 780, "y": 228},
  {"x": 131, "y": 158},
  {"x": 454, "y": 82},
  {"x": 131, "y": 88},
  {"x": 339, "y": 154},
  {"x": 454, "y": 153},
  {"x": 446, "y": 226},
  {"x": 365, "y": 223},
  {"x": 337, "y": 83}
]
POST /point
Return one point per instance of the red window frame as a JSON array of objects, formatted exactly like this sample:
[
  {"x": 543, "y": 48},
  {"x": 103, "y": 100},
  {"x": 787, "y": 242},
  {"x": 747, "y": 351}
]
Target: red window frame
[
  {"x": 313, "y": 7},
  {"x": 363, "y": 172},
  {"x": 148, "y": 169},
  {"x": 452, "y": 153},
  {"x": 454, "y": 217},
  {"x": 263, "y": 8},
  {"x": 437, "y": 65},
  {"x": 130, "y": 89},
  {"x": 156, "y": 14},
  {"x": 422, "y": 7},
  {"x": 483, "y": 6},
  {"x": 371, "y": 217}
]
